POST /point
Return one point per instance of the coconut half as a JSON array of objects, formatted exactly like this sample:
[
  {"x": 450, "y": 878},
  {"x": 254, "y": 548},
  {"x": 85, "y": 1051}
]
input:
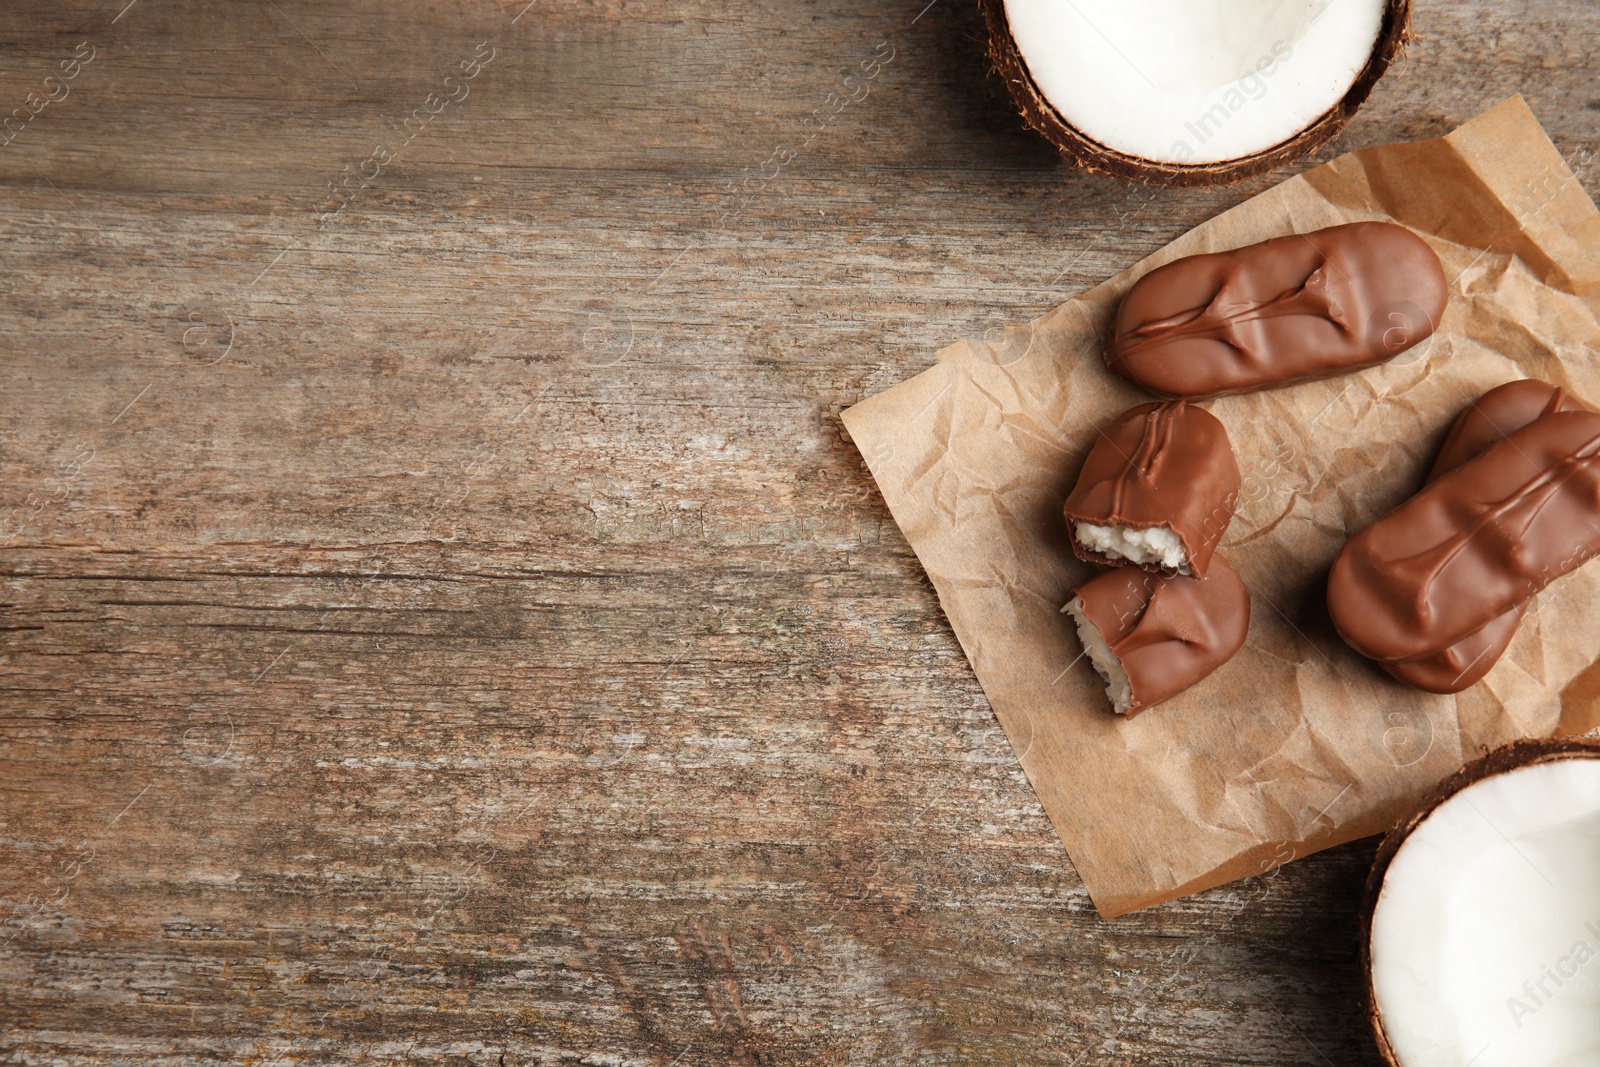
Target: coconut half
[
  {"x": 1192, "y": 92},
  {"x": 1483, "y": 916}
]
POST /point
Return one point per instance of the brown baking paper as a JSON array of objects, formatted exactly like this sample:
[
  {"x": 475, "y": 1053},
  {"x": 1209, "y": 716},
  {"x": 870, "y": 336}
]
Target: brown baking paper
[{"x": 1298, "y": 743}]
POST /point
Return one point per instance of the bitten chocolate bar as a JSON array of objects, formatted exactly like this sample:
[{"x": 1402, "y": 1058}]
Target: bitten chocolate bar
[
  {"x": 1152, "y": 637},
  {"x": 1287, "y": 310},
  {"x": 1158, "y": 490},
  {"x": 1496, "y": 415},
  {"x": 1474, "y": 544}
]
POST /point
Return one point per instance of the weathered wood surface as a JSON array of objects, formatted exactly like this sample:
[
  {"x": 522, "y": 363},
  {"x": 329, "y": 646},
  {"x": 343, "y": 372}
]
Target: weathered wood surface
[{"x": 444, "y": 622}]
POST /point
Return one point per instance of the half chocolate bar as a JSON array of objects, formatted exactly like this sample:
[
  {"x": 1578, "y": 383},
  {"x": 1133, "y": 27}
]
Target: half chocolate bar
[
  {"x": 1158, "y": 490},
  {"x": 1152, "y": 637}
]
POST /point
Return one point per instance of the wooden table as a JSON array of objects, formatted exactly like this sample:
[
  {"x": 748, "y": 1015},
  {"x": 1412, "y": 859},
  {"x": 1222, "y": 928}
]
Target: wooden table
[{"x": 443, "y": 619}]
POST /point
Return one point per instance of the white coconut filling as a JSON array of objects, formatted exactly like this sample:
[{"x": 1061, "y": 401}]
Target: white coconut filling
[
  {"x": 1105, "y": 661},
  {"x": 1152, "y": 544},
  {"x": 1194, "y": 81},
  {"x": 1486, "y": 936}
]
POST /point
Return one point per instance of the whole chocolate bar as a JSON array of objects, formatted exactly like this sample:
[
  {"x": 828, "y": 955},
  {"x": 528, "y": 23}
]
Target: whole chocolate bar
[
  {"x": 1152, "y": 637},
  {"x": 1494, "y": 416},
  {"x": 1474, "y": 544},
  {"x": 1158, "y": 490},
  {"x": 1287, "y": 310}
]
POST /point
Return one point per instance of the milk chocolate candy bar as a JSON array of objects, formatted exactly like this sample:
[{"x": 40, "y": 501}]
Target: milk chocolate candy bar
[
  {"x": 1287, "y": 310},
  {"x": 1152, "y": 637},
  {"x": 1494, "y": 416},
  {"x": 1158, "y": 490},
  {"x": 1474, "y": 544}
]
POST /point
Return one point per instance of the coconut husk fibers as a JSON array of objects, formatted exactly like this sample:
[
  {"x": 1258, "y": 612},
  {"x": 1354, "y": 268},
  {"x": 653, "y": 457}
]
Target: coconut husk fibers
[
  {"x": 1297, "y": 743},
  {"x": 1394, "y": 35},
  {"x": 1512, "y": 757}
]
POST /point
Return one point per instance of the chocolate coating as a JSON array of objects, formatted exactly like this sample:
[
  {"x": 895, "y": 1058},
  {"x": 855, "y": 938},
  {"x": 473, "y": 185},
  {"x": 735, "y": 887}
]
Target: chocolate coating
[
  {"x": 1474, "y": 544},
  {"x": 1461, "y": 665},
  {"x": 1168, "y": 633},
  {"x": 1167, "y": 464},
  {"x": 1287, "y": 310},
  {"x": 1496, "y": 415}
]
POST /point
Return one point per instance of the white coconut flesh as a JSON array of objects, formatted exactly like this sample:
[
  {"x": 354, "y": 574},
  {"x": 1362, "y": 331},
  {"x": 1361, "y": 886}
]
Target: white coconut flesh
[
  {"x": 1486, "y": 934},
  {"x": 1156, "y": 545},
  {"x": 1194, "y": 81},
  {"x": 1118, "y": 689}
]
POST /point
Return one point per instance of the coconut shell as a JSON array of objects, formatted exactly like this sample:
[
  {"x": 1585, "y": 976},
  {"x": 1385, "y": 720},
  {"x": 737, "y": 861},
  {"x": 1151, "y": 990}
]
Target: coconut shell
[
  {"x": 1512, "y": 757},
  {"x": 1393, "y": 36}
]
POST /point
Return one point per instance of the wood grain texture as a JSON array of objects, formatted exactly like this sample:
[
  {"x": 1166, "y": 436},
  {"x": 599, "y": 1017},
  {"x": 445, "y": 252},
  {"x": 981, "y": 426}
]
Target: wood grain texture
[{"x": 443, "y": 620}]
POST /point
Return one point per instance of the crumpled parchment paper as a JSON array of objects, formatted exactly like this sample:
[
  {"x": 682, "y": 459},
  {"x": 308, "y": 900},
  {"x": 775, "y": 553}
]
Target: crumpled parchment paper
[{"x": 1298, "y": 743}]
